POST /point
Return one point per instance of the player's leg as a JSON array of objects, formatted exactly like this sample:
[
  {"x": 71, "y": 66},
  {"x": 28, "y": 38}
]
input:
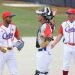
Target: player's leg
[
  {"x": 2, "y": 62},
  {"x": 73, "y": 53},
  {"x": 67, "y": 59},
  {"x": 12, "y": 65},
  {"x": 43, "y": 62}
]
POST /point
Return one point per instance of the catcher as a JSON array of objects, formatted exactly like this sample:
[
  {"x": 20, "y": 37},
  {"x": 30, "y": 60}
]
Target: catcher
[
  {"x": 44, "y": 37},
  {"x": 8, "y": 32}
]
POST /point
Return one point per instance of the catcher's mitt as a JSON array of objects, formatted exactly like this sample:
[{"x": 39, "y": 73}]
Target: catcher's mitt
[
  {"x": 19, "y": 44},
  {"x": 46, "y": 42}
]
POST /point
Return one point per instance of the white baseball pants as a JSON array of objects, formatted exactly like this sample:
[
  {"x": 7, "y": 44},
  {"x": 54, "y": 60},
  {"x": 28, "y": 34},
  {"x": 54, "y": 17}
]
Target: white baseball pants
[
  {"x": 69, "y": 54},
  {"x": 9, "y": 59},
  {"x": 43, "y": 60}
]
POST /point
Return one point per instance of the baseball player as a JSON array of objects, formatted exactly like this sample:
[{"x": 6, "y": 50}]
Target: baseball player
[
  {"x": 8, "y": 32},
  {"x": 67, "y": 31},
  {"x": 44, "y": 36}
]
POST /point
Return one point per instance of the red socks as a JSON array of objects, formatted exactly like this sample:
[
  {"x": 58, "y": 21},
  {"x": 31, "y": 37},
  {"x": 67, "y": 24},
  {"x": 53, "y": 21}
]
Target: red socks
[{"x": 65, "y": 72}]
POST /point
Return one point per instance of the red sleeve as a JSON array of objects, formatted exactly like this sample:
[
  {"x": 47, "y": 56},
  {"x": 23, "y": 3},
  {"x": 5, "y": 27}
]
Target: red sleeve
[
  {"x": 0, "y": 24},
  {"x": 47, "y": 31},
  {"x": 60, "y": 30},
  {"x": 17, "y": 34}
]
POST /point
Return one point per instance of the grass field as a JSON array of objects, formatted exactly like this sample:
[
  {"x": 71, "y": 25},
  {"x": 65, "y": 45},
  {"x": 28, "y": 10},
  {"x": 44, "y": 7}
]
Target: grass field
[{"x": 26, "y": 19}]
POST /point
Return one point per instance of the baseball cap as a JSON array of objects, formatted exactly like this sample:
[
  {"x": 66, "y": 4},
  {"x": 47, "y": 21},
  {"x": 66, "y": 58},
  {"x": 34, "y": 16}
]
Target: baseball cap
[
  {"x": 7, "y": 14},
  {"x": 70, "y": 11}
]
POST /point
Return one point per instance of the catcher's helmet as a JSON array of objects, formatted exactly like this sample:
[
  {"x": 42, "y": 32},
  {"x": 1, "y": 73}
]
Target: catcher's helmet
[{"x": 46, "y": 12}]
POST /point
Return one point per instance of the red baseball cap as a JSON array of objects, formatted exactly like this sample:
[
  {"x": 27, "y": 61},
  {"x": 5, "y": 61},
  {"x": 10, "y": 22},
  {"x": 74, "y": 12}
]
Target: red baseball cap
[
  {"x": 7, "y": 14},
  {"x": 70, "y": 11}
]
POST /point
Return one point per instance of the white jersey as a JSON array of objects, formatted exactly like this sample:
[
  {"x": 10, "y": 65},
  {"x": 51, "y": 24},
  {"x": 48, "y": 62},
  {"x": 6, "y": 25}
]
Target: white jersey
[
  {"x": 67, "y": 29},
  {"x": 45, "y": 30},
  {"x": 7, "y": 35}
]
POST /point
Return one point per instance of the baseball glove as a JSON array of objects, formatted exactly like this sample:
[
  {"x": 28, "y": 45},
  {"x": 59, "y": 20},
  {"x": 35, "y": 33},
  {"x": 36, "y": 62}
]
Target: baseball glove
[
  {"x": 19, "y": 44},
  {"x": 46, "y": 42}
]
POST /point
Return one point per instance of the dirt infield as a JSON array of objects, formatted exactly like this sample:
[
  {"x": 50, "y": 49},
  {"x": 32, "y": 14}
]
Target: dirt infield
[{"x": 26, "y": 59}]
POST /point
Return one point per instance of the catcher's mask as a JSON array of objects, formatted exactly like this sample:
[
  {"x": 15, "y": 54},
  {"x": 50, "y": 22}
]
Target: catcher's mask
[{"x": 46, "y": 13}]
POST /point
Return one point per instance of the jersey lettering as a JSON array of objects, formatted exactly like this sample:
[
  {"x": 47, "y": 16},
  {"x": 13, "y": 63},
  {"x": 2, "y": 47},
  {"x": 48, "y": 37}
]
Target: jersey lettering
[
  {"x": 7, "y": 36},
  {"x": 69, "y": 30}
]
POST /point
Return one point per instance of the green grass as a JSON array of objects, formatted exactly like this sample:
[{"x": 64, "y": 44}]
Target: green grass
[
  {"x": 59, "y": 19},
  {"x": 26, "y": 19}
]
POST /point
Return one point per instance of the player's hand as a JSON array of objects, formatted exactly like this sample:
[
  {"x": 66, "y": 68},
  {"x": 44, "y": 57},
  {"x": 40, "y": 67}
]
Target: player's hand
[
  {"x": 52, "y": 46},
  {"x": 3, "y": 49},
  {"x": 54, "y": 11}
]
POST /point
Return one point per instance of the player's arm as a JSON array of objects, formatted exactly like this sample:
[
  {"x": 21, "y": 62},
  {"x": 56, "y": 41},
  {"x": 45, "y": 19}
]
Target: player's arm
[
  {"x": 17, "y": 34},
  {"x": 58, "y": 38},
  {"x": 47, "y": 36},
  {"x": 20, "y": 43}
]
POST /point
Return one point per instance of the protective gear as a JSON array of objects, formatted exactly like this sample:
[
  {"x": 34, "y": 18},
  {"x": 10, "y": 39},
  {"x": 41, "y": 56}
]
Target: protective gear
[
  {"x": 37, "y": 43},
  {"x": 46, "y": 42},
  {"x": 19, "y": 44},
  {"x": 46, "y": 12},
  {"x": 38, "y": 73}
]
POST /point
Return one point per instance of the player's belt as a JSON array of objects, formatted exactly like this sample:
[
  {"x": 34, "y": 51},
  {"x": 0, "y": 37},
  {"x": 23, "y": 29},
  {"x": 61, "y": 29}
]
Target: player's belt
[
  {"x": 72, "y": 44},
  {"x": 42, "y": 49}
]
